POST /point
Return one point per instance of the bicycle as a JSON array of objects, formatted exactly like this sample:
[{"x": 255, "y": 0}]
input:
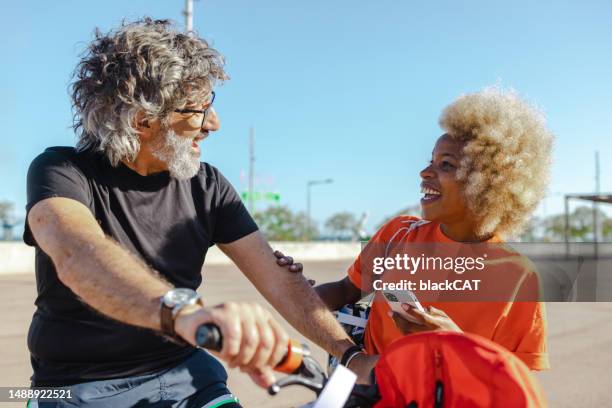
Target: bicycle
[{"x": 337, "y": 391}]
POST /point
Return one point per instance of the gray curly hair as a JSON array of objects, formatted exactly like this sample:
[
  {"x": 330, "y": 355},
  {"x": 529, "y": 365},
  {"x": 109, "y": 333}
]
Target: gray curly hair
[{"x": 146, "y": 65}]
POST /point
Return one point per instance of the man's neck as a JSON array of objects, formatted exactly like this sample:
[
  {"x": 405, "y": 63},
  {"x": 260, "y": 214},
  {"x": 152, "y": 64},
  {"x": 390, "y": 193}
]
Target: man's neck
[{"x": 146, "y": 164}]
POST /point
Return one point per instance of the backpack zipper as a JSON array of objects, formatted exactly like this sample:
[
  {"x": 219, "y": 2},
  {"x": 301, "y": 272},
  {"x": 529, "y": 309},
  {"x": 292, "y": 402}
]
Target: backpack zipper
[{"x": 439, "y": 389}]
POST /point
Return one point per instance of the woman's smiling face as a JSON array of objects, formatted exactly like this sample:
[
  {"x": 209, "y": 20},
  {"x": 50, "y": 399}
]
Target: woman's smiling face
[{"x": 443, "y": 199}]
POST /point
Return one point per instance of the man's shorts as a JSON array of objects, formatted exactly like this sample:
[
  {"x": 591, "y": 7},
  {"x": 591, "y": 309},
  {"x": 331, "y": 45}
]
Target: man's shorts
[{"x": 198, "y": 382}]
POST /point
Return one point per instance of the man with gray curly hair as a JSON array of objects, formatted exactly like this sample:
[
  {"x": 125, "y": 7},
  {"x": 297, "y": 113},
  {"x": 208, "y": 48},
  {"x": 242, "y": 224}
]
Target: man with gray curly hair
[{"x": 121, "y": 225}]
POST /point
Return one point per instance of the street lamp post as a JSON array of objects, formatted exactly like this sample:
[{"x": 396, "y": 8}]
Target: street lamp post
[
  {"x": 308, "y": 186},
  {"x": 188, "y": 13}
]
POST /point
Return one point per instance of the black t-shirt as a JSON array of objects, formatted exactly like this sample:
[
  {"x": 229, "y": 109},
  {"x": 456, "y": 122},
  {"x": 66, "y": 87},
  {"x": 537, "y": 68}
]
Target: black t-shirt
[{"x": 168, "y": 223}]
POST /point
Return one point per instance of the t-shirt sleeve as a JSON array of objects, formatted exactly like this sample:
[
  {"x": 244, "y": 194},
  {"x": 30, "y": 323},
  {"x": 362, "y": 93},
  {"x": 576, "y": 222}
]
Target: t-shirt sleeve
[
  {"x": 359, "y": 266},
  {"x": 524, "y": 330},
  {"x": 532, "y": 347},
  {"x": 233, "y": 220},
  {"x": 52, "y": 174},
  {"x": 530, "y": 314},
  {"x": 354, "y": 271}
]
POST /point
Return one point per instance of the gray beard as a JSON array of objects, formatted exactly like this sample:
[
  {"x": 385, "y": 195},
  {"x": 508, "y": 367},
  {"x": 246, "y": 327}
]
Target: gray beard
[{"x": 183, "y": 163}]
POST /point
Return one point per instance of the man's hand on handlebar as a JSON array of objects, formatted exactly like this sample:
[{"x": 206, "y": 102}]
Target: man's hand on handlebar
[{"x": 252, "y": 340}]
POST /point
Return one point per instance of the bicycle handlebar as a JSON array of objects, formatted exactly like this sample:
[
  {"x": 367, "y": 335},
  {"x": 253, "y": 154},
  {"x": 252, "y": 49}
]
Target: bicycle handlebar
[
  {"x": 209, "y": 336},
  {"x": 297, "y": 362}
]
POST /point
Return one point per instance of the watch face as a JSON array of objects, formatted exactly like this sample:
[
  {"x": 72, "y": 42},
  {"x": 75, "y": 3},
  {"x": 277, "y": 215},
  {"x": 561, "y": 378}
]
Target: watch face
[{"x": 179, "y": 296}]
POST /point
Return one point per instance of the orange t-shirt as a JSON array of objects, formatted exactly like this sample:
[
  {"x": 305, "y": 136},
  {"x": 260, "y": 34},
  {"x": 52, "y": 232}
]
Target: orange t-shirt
[{"x": 519, "y": 326}]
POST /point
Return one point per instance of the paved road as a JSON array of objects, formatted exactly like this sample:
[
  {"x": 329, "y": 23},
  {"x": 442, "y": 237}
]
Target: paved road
[{"x": 580, "y": 340}]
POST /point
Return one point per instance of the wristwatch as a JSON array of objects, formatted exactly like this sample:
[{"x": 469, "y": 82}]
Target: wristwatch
[{"x": 171, "y": 304}]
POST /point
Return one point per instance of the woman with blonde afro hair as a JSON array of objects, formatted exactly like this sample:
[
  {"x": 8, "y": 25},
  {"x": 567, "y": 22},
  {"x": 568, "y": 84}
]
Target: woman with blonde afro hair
[
  {"x": 506, "y": 157},
  {"x": 486, "y": 176}
]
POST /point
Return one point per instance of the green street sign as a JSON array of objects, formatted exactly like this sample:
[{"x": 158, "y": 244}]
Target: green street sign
[{"x": 261, "y": 196}]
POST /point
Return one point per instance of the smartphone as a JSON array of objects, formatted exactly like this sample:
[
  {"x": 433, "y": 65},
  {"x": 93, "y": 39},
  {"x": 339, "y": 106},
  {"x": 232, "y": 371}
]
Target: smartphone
[{"x": 395, "y": 298}]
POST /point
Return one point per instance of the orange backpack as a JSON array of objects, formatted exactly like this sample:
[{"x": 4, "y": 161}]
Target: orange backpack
[{"x": 447, "y": 369}]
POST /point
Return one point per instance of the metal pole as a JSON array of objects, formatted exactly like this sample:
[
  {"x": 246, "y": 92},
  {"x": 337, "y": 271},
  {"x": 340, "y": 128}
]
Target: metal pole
[
  {"x": 188, "y": 13},
  {"x": 596, "y": 208},
  {"x": 251, "y": 169},
  {"x": 567, "y": 228},
  {"x": 308, "y": 222}
]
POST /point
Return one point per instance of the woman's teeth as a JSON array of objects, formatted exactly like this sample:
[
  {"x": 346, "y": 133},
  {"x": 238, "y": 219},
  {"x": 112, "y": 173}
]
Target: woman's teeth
[
  {"x": 427, "y": 190},
  {"x": 430, "y": 193}
]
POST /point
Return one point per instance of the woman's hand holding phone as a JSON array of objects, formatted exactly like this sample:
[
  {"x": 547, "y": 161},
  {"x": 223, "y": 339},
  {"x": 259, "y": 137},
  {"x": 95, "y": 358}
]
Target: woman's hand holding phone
[{"x": 429, "y": 320}]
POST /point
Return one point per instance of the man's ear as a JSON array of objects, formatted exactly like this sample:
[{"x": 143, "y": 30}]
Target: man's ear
[
  {"x": 140, "y": 121},
  {"x": 148, "y": 128}
]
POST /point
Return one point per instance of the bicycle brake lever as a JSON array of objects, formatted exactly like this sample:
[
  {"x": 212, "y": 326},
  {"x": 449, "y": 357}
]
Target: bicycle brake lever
[
  {"x": 292, "y": 380},
  {"x": 309, "y": 375}
]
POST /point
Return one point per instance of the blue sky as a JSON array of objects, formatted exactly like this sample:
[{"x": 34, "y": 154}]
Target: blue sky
[{"x": 349, "y": 90}]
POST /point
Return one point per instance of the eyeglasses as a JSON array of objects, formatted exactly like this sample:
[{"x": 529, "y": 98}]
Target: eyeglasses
[{"x": 197, "y": 112}]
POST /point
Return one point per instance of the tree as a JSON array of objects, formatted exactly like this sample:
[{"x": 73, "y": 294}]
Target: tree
[
  {"x": 343, "y": 224},
  {"x": 606, "y": 228},
  {"x": 279, "y": 223},
  {"x": 530, "y": 231},
  {"x": 6, "y": 210},
  {"x": 305, "y": 228},
  {"x": 7, "y": 220},
  {"x": 580, "y": 224}
]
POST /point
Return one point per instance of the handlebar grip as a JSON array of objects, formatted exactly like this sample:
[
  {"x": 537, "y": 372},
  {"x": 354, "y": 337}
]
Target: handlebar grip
[
  {"x": 292, "y": 361},
  {"x": 209, "y": 336}
]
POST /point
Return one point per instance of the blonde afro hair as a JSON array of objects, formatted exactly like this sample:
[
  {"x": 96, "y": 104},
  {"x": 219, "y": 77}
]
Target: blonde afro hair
[{"x": 506, "y": 157}]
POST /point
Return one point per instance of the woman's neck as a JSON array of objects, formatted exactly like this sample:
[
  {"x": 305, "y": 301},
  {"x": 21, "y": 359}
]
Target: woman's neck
[{"x": 462, "y": 233}]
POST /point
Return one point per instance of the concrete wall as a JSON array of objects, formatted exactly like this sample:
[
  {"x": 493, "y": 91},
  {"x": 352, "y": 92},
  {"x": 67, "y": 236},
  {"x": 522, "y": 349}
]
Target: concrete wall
[{"x": 16, "y": 257}]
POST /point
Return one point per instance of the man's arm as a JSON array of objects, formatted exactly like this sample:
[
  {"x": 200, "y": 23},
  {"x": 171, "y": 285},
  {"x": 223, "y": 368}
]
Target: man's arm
[
  {"x": 333, "y": 294},
  {"x": 93, "y": 266},
  {"x": 116, "y": 283},
  {"x": 289, "y": 293}
]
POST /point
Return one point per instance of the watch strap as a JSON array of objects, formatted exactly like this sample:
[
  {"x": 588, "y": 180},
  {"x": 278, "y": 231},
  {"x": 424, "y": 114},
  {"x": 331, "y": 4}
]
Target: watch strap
[
  {"x": 167, "y": 320},
  {"x": 168, "y": 316}
]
